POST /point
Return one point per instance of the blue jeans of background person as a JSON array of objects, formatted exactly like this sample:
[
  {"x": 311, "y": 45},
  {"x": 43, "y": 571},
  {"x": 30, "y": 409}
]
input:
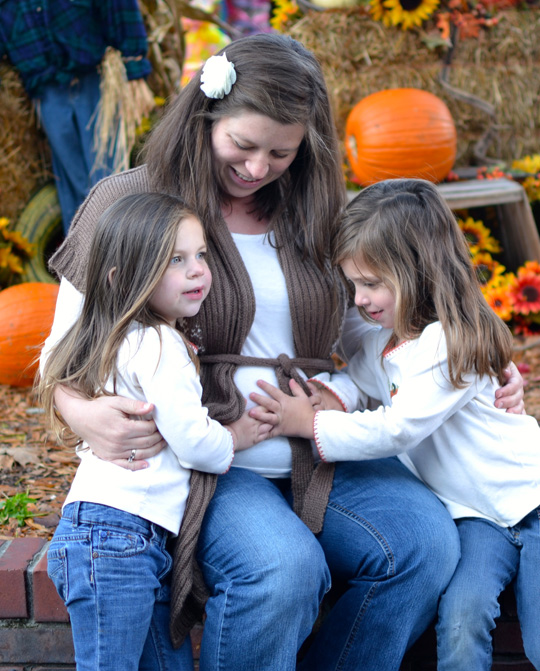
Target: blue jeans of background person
[
  {"x": 112, "y": 571},
  {"x": 387, "y": 540},
  {"x": 491, "y": 557},
  {"x": 68, "y": 116}
]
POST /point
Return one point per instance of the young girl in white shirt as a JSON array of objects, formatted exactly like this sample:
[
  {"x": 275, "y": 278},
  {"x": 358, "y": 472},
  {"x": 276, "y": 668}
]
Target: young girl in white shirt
[
  {"x": 108, "y": 558},
  {"x": 433, "y": 352}
]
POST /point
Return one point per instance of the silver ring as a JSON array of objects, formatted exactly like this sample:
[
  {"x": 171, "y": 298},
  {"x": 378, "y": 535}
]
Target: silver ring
[{"x": 131, "y": 456}]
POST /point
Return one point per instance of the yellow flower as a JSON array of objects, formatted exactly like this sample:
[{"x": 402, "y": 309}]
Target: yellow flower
[
  {"x": 531, "y": 185},
  {"x": 500, "y": 298},
  {"x": 14, "y": 252},
  {"x": 379, "y": 12},
  {"x": 4, "y": 253},
  {"x": 478, "y": 236},
  {"x": 409, "y": 13},
  {"x": 21, "y": 243},
  {"x": 14, "y": 264},
  {"x": 283, "y": 11},
  {"x": 487, "y": 269},
  {"x": 529, "y": 164},
  {"x": 143, "y": 127}
]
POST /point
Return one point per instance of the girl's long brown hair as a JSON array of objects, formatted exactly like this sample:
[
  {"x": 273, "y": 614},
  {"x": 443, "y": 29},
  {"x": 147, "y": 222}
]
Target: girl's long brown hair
[
  {"x": 136, "y": 237},
  {"x": 404, "y": 231}
]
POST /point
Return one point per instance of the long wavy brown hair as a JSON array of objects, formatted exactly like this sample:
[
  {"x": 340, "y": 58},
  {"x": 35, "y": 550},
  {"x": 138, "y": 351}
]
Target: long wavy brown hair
[
  {"x": 135, "y": 236},
  {"x": 279, "y": 78},
  {"x": 405, "y": 233}
]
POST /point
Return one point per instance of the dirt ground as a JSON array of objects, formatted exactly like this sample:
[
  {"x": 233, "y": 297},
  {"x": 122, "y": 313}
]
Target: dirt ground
[{"x": 30, "y": 460}]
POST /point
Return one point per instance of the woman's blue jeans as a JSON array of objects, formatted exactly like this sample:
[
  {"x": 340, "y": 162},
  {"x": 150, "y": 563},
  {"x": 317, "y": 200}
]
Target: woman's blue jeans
[
  {"x": 491, "y": 557},
  {"x": 112, "y": 571},
  {"x": 387, "y": 541}
]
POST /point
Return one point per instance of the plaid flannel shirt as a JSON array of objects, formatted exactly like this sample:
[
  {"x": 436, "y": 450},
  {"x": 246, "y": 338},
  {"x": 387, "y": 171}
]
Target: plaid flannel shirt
[{"x": 54, "y": 41}]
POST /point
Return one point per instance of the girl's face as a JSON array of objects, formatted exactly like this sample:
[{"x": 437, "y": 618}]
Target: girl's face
[
  {"x": 251, "y": 150},
  {"x": 187, "y": 279},
  {"x": 371, "y": 293}
]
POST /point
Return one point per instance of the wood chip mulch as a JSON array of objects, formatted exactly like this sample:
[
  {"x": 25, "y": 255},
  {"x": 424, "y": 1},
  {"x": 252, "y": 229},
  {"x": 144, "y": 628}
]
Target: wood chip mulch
[{"x": 32, "y": 462}]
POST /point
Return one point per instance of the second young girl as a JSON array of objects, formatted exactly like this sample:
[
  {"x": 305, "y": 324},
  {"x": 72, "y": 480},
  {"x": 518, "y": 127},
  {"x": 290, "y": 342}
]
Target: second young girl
[
  {"x": 433, "y": 352},
  {"x": 108, "y": 558}
]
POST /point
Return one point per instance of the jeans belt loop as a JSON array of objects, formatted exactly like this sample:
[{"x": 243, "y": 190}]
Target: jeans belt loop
[{"x": 75, "y": 514}]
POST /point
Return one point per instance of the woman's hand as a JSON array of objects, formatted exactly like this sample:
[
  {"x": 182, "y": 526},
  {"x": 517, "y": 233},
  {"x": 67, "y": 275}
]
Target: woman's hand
[
  {"x": 111, "y": 427},
  {"x": 289, "y": 415},
  {"x": 510, "y": 397}
]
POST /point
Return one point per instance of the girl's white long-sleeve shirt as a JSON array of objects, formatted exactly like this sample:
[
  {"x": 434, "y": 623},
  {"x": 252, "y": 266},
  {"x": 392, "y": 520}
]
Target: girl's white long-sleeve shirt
[
  {"x": 479, "y": 460},
  {"x": 163, "y": 374}
]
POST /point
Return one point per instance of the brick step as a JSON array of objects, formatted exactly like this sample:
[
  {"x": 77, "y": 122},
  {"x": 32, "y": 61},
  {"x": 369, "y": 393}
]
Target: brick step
[{"x": 35, "y": 632}]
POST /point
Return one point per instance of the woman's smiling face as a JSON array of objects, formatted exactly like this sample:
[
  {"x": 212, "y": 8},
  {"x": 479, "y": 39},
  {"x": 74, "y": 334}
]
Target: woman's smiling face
[{"x": 251, "y": 150}]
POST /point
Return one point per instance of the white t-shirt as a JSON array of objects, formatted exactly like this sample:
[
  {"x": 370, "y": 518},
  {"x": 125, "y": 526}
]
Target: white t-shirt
[
  {"x": 270, "y": 335},
  {"x": 162, "y": 374},
  {"x": 479, "y": 460}
]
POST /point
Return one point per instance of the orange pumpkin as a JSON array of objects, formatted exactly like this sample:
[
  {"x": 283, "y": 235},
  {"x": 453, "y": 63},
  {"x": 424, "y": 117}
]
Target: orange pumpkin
[
  {"x": 26, "y": 317},
  {"x": 400, "y": 133}
]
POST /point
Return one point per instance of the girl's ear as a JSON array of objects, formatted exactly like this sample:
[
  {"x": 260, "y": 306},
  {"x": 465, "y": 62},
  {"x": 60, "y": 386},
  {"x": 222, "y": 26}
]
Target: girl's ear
[{"x": 111, "y": 275}]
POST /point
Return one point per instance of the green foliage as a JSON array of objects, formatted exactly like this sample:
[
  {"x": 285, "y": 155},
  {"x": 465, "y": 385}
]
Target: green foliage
[{"x": 16, "y": 507}]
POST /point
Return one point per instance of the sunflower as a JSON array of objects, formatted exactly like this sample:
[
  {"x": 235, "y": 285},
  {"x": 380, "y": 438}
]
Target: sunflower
[
  {"x": 19, "y": 242},
  {"x": 488, "y": 271},
  {"x": 282, "y": 12},
  {"x": 10, "y": 262},
  {"x": 530, "y": 164},
  {"x": 500, "y": 299},
  {"x": 531, "y": 185},
  {"x": 409, "y": 13},
  {"x": 527, "y": 294},
  {"x": 478, "y": 236},
  {"x": 15, "y": 250},
  {"x": 379, "y": 12}
]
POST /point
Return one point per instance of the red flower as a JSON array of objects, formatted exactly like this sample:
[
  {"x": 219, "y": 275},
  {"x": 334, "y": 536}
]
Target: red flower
[{"x": 527, "y": 294}]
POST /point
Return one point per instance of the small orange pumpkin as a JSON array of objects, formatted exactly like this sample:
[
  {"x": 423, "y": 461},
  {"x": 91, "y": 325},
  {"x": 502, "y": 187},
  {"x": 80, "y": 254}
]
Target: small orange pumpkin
[
  {"x": 26, "y": 317},
  {"x": 400, "y": 133}
]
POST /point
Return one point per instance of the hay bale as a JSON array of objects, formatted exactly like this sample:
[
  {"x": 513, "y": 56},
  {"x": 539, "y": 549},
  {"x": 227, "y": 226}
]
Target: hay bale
[
  {"x": 24, "y": 152},
  {"x": 360, "y": 56}
]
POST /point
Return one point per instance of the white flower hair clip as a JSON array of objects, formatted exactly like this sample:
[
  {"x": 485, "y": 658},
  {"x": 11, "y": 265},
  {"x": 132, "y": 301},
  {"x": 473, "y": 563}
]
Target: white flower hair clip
[{"x": 217, "y": 77}]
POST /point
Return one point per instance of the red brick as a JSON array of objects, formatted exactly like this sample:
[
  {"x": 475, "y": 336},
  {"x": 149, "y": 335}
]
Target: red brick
[
  {"x": 42, "y": 644},
  {"x": 47, "y": 605},
  {"x": 14, "y": 562}
]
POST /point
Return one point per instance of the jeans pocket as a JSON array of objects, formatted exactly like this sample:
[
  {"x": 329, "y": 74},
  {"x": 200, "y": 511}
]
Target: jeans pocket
[
  {"x": 57, "y": 569},
  {"x": 109, "y": 542}
]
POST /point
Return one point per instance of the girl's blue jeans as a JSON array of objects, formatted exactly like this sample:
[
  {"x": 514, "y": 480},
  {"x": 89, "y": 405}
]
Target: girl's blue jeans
[
  {"x": 112, "y": 571},
  {"x": 387, "y": 541},
  {"x": 491, "y": 557}
]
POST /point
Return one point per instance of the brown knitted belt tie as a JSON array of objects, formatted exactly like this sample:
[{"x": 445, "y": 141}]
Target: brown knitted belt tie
[
  {"x": 286, "y": 368},
  {"x": 310, "y": 485}
]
